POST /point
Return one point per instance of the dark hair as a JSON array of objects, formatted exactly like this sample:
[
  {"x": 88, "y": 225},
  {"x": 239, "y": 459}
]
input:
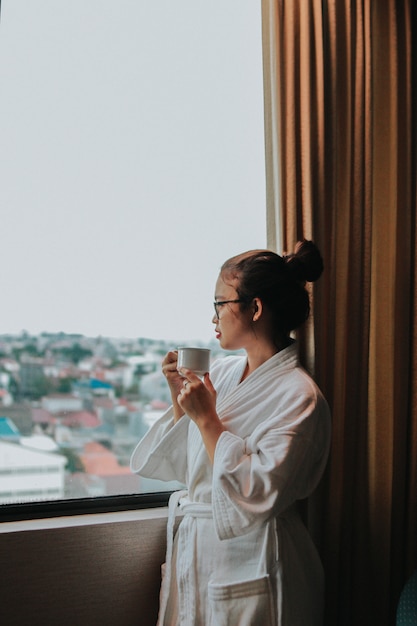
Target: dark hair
[{"x": 278, "y": 281}]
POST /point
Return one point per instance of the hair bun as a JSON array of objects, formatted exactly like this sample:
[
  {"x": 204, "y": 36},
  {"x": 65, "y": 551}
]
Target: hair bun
[{"x": 306, "y": 263}]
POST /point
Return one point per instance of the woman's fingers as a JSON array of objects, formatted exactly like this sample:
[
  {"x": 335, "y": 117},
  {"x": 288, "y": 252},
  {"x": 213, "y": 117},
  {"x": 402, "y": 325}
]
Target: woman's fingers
[{"x": 169, "y": 364}]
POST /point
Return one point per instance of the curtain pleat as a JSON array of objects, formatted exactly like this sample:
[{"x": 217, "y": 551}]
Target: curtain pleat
[
  {"x": 272, "y": 117},
  {"x": 344, "y": 117}
]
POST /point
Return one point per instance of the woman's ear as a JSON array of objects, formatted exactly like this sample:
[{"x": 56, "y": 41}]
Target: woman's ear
[{"x": 257, "y": 309}]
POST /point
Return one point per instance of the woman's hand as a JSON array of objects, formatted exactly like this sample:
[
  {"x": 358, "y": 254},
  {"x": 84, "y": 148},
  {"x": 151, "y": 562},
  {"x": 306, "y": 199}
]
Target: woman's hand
[
  {"x": 197, "y": 398},
  {"x": 174, "y": 380}
]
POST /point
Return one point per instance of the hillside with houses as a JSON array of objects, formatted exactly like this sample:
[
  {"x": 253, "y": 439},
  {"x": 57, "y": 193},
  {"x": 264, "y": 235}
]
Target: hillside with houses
[{"x": 72, "y": 409}]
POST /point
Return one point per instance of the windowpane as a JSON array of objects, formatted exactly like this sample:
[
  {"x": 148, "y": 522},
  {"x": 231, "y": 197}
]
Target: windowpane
[{"x": 131, "y": 167}]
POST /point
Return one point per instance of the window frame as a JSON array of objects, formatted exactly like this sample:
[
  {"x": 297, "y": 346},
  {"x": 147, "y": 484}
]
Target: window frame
[
  {"x": 82, "y": 506},
  {"x": 26, "y": 511}
]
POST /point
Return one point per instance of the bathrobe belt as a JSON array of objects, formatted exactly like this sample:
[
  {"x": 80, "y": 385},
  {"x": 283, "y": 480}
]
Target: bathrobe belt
[
  {"x": 195, "y": 509},
  {"x": 179, "y": 503}
]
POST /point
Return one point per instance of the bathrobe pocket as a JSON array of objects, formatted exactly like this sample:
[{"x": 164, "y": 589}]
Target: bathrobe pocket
[{"x": 247, "y": 603}]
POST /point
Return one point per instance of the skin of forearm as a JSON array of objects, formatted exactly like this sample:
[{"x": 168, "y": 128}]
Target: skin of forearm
[
  {"x": 210, "y": 430},
  {"x": 177, "y": 410}
]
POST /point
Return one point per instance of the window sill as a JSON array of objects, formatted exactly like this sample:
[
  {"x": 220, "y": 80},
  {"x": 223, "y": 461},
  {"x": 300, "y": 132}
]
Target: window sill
[{"x": 89, "y": 519}]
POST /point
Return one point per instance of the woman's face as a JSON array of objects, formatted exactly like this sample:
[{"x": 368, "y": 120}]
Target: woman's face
[{"x": 233, "y": 327}]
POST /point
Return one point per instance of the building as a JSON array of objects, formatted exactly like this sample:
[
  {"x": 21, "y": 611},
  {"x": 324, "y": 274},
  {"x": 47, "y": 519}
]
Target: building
[{"x": 29, "y": 474}]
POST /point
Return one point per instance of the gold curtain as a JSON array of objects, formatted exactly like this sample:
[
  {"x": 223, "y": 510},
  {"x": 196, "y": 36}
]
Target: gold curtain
[{"x": 341, "y": 118}]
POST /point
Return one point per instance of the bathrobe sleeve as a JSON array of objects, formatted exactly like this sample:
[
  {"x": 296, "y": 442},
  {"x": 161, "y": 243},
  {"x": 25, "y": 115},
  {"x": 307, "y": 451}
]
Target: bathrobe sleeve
[
  {"x": 162, "y": 452},
  {"x": 260, "y": 476}
]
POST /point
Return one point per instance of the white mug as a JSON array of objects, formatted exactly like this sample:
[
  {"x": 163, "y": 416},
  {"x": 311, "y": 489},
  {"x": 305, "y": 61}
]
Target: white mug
[{"x": 195, "y": 359}]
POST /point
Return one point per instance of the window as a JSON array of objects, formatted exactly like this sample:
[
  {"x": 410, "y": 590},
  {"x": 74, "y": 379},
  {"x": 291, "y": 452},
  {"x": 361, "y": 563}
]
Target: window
[{"x": 132, "y": 166}]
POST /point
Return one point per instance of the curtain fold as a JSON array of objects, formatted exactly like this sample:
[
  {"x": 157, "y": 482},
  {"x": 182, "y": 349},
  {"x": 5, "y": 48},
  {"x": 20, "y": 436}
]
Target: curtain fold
[{"x": 342, "y": 115}]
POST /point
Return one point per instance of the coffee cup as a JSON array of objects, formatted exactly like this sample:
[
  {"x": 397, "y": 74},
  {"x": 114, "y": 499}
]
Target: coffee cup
[{"x": 195, "y": 359}]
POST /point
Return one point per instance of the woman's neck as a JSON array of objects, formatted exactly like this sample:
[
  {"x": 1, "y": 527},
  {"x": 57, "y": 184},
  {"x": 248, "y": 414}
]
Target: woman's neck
[{"x": 259, "y": 353}]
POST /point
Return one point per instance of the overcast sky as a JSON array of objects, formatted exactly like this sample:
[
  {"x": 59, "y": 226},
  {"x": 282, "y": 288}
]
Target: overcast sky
[{"x": 131, "y": 162}]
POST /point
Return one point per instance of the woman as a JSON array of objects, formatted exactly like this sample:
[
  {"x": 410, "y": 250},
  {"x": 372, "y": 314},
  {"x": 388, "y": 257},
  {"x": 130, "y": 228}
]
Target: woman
[{"x": 249, "y": 440}]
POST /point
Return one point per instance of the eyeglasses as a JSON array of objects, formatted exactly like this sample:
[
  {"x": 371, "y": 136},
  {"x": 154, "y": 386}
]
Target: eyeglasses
[{"x": 220, "y": 303}]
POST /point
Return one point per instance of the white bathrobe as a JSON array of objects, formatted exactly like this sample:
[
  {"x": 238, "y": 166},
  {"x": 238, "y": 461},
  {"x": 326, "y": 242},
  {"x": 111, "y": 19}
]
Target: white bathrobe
[{"x": 241, "y": 555}]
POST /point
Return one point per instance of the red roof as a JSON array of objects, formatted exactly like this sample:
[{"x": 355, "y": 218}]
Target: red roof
[
  {"x": 98, "y": 460},
  {"x": 42, "y": 416},
  {"x": 159, "y": 405},
  {"x": 80, "y": 419},
  {"x": 103, "y": 403},
  {"x": 128, "y": 405}
]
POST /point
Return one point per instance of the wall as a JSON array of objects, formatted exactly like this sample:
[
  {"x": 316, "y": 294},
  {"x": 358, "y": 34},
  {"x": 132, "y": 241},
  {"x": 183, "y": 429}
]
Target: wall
[{"x": 85, "y": 570}]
